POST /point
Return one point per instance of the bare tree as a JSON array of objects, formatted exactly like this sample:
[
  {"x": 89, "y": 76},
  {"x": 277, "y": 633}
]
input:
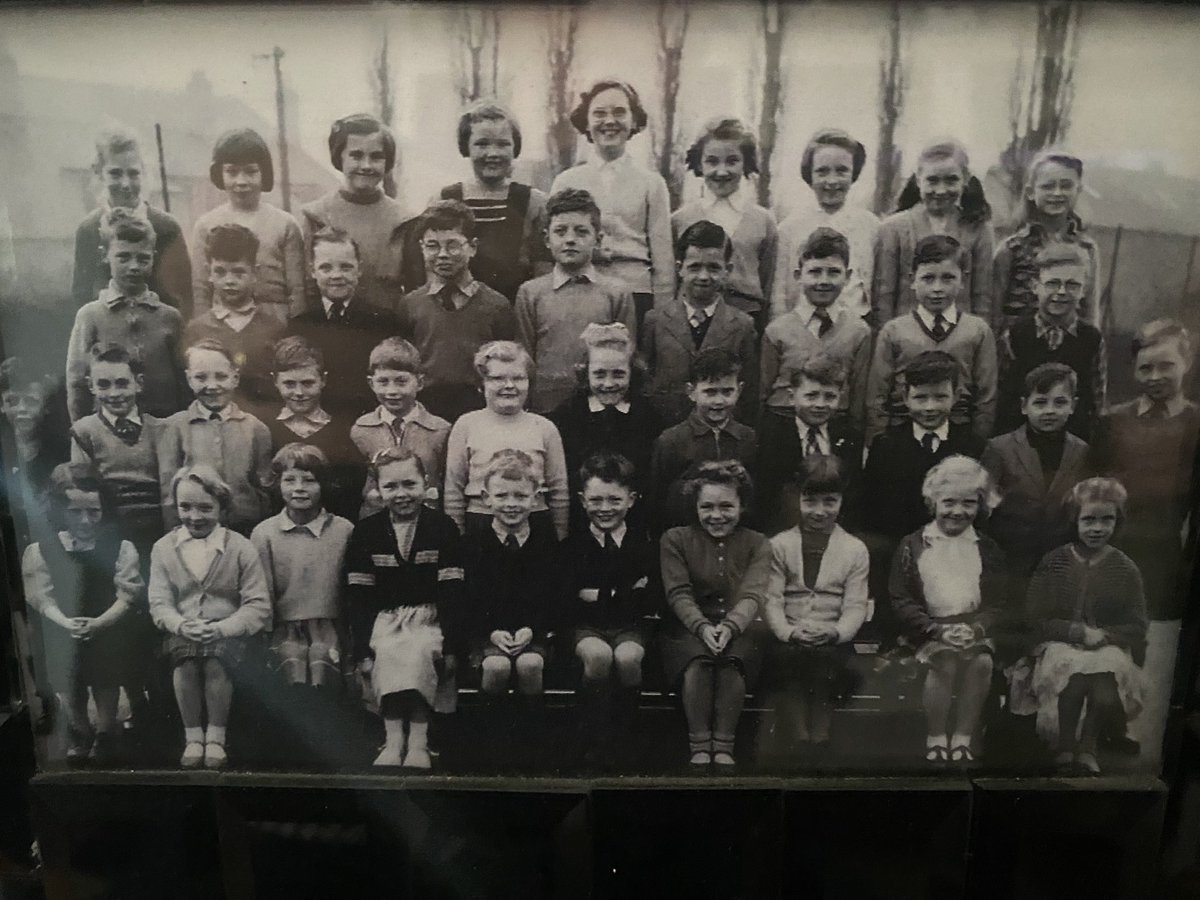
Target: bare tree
[
  {"x": 1042, "y": 95},
  {"x": 563, "y": 28},
  {"x": 672, "y": 26},
  {"x": 383, "y": 92},
  {"x": 478, "y": 29},
  {"x": 892, "y": 83},
  {"x": 773, "y": 25}
]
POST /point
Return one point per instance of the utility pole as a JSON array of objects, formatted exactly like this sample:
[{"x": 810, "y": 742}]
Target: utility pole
[{"x": 285, "y": 181}]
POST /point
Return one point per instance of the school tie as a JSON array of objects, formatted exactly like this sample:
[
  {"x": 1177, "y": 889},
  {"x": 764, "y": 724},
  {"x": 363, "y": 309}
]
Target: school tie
[
  {"x": 397, "y": 427},
  {"x": 447, "y": 296},
  {"x": 698, "y": 323},
  {"x": 511, "y": 544},
  {"x": 214, "y": 416},
  {"x": 824, "y": 322},
  {"x": 939, "y": 329},
  {"x": 579, "y": 279},
  {"x": 127, "y": 431},
  {"x": 812, "y": 445},
  {"x": 1157, "y": 410},
  {"x": 610, "y": 545},
  {"x": 1054, "y": 337},
  {"x": 337, "y": 309},
  {"x": 929, "y": 441}
]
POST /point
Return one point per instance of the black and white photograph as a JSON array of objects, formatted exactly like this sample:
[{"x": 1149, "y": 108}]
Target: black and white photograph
[{"x": 707, "y": 389}]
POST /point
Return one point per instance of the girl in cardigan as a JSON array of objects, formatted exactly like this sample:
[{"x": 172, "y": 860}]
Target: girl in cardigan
[
  {"x": 715, "y": 577},
  {"x": 724, "y": 154},
  {"x": 608, "y": 413},
  {"x": 816, "y": 602},
  {"x": 241, "y": 167},
  {"x": 208, "y": 592},
  {"x": 83, "y": 582},
  {"x": 404, "y": 581},
  {"x": 942, "y": 197},
  {"x": 636, "y": 208},
  {"x": 947, "y": 583},
  {"x": 1087, "y": 604}
]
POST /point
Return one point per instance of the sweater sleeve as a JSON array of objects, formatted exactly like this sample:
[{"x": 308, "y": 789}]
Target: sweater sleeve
[
  {"x": 127, "y": 575},
  {"x": 658, "y": 231},
  {"x": 525, "y": 313},
  {"x": 981, "y": 272},
  {"x": 767, "y": 251},
  {"x": 87, "y": 258},
  {"x": 785, "y": 260},
  {"x": 677, "y": 580},
  {"x": 451, "y": 587},
  {"x": 169, "y": 450},
  {"x": 625, "y": 312},
  {"x": 854, "y": 598},
  {"x": 747, "y": 351},
  {"x": 885, "y": 287},
  {"x": 1131, "y": 633},
  {"x": 908, "y": 600},
  {"x": 293, "y": 265},
  {"x": 752, "y": 590},
  {"x": 83, "y": 335},
  {"x": 984, "y": 375},
  {"x": 993, "y": 586},
  {"x": 558, "y": 496},
  {"x": 361, "y": 604},
  {"x": 879, "y": 384},
  {"x": 1001, "y": 281},
  {"x": 454, "y": 496},
  {"x": 35, "y": 575},
  {"x": 260, "y": 474},
  {"x": 773, "y": 607},
  {"x": 201, "y": 287},
  {"x": 254, "y": 602},
  {"x": 262, "y": 543},
  {"x": 1052, "y": 619},
  {"x": 175, "y": 274},
  {"x": 162, "y": 594},
  {"x": 768, "y": 368},
  {"x": 857, "y": 383}
]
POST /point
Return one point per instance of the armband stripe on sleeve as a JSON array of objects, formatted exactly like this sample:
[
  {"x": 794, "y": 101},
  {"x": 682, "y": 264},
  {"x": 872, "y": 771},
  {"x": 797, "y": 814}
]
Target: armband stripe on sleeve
[
  {"x": 364, "y": 579},
  {"x": 450, "y": 573}
]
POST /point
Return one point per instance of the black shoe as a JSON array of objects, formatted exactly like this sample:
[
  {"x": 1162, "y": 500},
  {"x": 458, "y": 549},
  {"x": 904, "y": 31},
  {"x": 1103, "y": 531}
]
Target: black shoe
[{"x": 104, "y": 751}]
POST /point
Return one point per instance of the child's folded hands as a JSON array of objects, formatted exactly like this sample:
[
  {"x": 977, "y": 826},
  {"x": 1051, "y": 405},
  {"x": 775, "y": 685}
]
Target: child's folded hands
[
  {"x": 192, "y": 629},
  {"x": 724, "y": 634},
  {"x": 502, "y": 639},
  {"x": 522, "y": 639},
  {"x": 708, "y": 636},
  {"x": 1093, "y": 637}
]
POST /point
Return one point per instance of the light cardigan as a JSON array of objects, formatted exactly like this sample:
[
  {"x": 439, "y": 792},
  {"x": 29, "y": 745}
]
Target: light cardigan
[
  {"x": 892, "y": 294},
  {"x": 755, "y": 241},
  {"x": 232, "y": 595},
  {"x": 838, "y": 596},
  {"x": 635, "y": 213},
  {"x": 303, "y": 564},
  {"x": 859, "y": 226},
  {"x": 280, "y": 265}
]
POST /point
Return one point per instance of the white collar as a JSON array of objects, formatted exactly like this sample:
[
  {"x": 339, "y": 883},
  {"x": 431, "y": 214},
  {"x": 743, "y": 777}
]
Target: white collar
[
  {"x": 596, "y": 406},
  {"x": 950, "y": 315},
  {"x": 709, "y": 311},
  {"x": 1174, "y": 406},
  {"x": 802, "y": 429},
  {"x": 328, "y": 304},
  {"x": 618, "y": 534},
  {"x": 559, "y": 276},
  {"x": 389, "y": 418},
  {"x": 318, "y": 416},
  {"x": 608, "y": 165},
  {"x": 198, "y": 411},
  {"x": 466, "y": 285},
  {"x": 221, "y": 313},
  {"x": 805, "y": 310},
  {"x": 522, "y": 534},
  {"x": 71, "y": 545},
  {"x": 942, "y": 432},
  {"x": 931, "y": 532},
  {"x": 141, "y": 211},
  {"x": 214, "y": 541},
  {"x": 315, "y": 527},
  {"x": 737, "y": 201},
  {"x": 135, "y": 417}
]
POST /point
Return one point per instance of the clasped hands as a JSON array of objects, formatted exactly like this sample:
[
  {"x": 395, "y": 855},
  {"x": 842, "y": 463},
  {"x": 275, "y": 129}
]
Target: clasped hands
[
  {"x": 959, "y": 635},
  {"x": 716, "y": 637},
  {"x": 815, "y": 634},
  {"x": 199, "y": 631},
  {"x": 83, "y": 628},
  {"x": 512, "y": 643}
]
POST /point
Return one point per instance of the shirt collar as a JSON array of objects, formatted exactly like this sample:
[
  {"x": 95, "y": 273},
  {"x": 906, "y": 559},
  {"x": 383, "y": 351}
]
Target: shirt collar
[
  {"x": 609, "y": 165},
  {"x": 387, "y": 417},
  {"x": 701, "y": 428},
  {"x": 315, "y": 527},
  {"x": 559, "y": 276},
  {"x": 522, "y": 534},
  {"x": 690, "y": 311},
  {"x": 932, "y": 533},
  {"x": 135, "y": 417},
  {"x": 465, "y": 284},
  {"x": 942, "y": 431},
  {"x": 802, "y": 429},
  {"x": 1042, "y": 327},
  {"x": 141, "y": 211},
  {"x": 618, "y": 534},
  {"x": 221, "y": 313},
  {"x": 113, "y": 297},
  {"x": 318, "y": 416},
  {"x": 71, "y": 545},
  {"x": 328, "y": 305},
  {"x": 198, "y": 412},
  {"x": 735, "y": 201},
  {"x": 596, "y": 406},
  {"x": 214, "y": 541},
  {"x": 950, "y": 315},
  {"x": 1174, "y": 406},
  {"x": 805, "y": 310}
]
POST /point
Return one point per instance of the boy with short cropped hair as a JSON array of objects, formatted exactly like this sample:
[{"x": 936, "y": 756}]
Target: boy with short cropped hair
[
  {"x": 812, "y": 429},
  {"x": 452, "y": 314},
  {"x": 400, "y": 420},
  {"x": 935, "y": 324},
  {"x": 1055, "y": 334},
  {"x": 128, "y": 313},
  {"x": 709, "y": 434},
  {"x": 553, "y": 309},
  {"x": 234, "y": 319},
  {"x": 698, "y": 319},
  {"x": 817, "y": 324}
]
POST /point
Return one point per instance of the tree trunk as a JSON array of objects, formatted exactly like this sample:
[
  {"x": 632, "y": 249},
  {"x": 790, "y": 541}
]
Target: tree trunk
[
  {"x": 773, "y": 16},
  {"x": 561, "y": 136},
  {"x": 891, "y": 104},
  {"x": 672, "y": 32}
]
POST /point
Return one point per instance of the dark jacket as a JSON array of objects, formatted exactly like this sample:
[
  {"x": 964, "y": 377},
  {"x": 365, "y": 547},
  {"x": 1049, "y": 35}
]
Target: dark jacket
[
  {"x": 171, "y": 277},
  {"x": 626, "y": 578}
]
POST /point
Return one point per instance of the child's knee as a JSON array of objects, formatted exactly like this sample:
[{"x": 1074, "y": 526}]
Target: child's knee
[
  {"x": 597, "y": 658},
  {"x": 628, "y": 657},
  {"x": 495, "y": 674},
  {"x": 529, "y": 666},
  {"x": 981, "y": 666}
]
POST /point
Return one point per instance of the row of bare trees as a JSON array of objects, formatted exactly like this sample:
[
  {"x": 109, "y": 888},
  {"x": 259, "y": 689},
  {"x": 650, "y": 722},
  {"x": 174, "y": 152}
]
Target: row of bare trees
[{"x": 1042, "y": 87}]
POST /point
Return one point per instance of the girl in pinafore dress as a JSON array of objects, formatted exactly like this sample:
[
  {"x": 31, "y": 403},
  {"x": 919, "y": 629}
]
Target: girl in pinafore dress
[
  {"x": 715, "y": 577},
  {"x": 947, "y": 584},
  {"x": 404, "y": 582},
  {"x": 208, "y": 592},
  {"x": 83, "y": 582},
  {"x": 1087, "y": 603}
]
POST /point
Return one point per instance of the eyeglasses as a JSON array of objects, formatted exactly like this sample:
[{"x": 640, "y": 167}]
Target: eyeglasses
[
  {"x": 1057, "y": 285},
  {"x": 506, "y": 379},
  {"x": 451, "y": 247}
]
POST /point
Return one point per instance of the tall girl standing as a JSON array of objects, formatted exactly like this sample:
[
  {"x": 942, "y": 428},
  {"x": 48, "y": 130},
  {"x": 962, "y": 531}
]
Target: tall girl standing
[
  {"x": 634, "y": 204},
  {"x": 942, "y": 197}
]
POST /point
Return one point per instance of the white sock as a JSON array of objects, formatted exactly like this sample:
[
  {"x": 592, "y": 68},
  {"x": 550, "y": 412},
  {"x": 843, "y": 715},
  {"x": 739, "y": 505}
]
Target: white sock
[
  {"x": 193, "y": 735},
  {"x": 418, "y": 736},
  {"x": 935, "y": 740},
  {"x": 960, "y": 740},
  {"x": 394, "y": 734},
  {"x": 215, "y": 735}
]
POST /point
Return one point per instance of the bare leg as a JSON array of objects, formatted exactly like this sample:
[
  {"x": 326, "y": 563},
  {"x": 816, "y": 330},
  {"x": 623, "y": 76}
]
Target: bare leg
[
  {"x": 218, "y": 693},
  {"x": 496, "y": 672},
  {"x": 628, "y": 657},
  {"x": 189, "y": 693}
]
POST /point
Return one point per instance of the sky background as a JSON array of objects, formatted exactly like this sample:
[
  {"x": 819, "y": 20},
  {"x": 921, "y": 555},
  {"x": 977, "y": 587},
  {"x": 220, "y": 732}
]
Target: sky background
[{"x": 1135, "y": 100}]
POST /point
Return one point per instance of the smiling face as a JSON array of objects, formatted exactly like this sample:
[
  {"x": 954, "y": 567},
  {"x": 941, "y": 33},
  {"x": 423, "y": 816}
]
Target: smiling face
[
  {"x": 510, "y": 500},
  {"x": 609, "y": 374},
  {"x": 447, "y": 253},
  {"x": 301, "y": 492},
  {"x": 402, "y": 488},
  {"x": 722, "y": 166},
  {"x": 955, "y": 509},
  {"x": 364, "y": 163},
  {"x": 703, "y": 275},
  {"x": 941, "y": 183},
  {"x": 718, "y": 507},
  {"x": 336, "y": 270},
  {"x": 715, "y": 399},
  {"x": 233, "y": 283},
  {"x": 936, "y": 285},
  {"x": 300, "y": 389},
  {"x": 82, "y": 514},
  {"x": 832, "y": 176},
  {"x": 606, "y": 503},
  {"x": 505, "y": 387},
  {"x": 243, "y": 183},
  {"x": 121, "y": 175},
  {"x": 819, "y": 511},
  {"x": 23, "y": 408},
  {"x": 396, "y": 389},
  {"x": 1049, "y": 411},
  {"x": 1159, "y": 370},
  {"x": 1058, "y": 289},
  {"x": 491, "y": 148},
  {"x": 130, "y": 263},
  {"x": 815, "y": 403},
  {"x": 610, "y": 122},
  {"x": 822, "y": 280},
  {"x": 198, "y": 510},
  {"x": 1054, "y": 189},
  {"x": 115, "y": 387},
  {"x": 212, "y": 378},
  {"x": 929, "y": 405},
  {"x": 1096, "y": 524},
  {"x": 571, "y": 238}
]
